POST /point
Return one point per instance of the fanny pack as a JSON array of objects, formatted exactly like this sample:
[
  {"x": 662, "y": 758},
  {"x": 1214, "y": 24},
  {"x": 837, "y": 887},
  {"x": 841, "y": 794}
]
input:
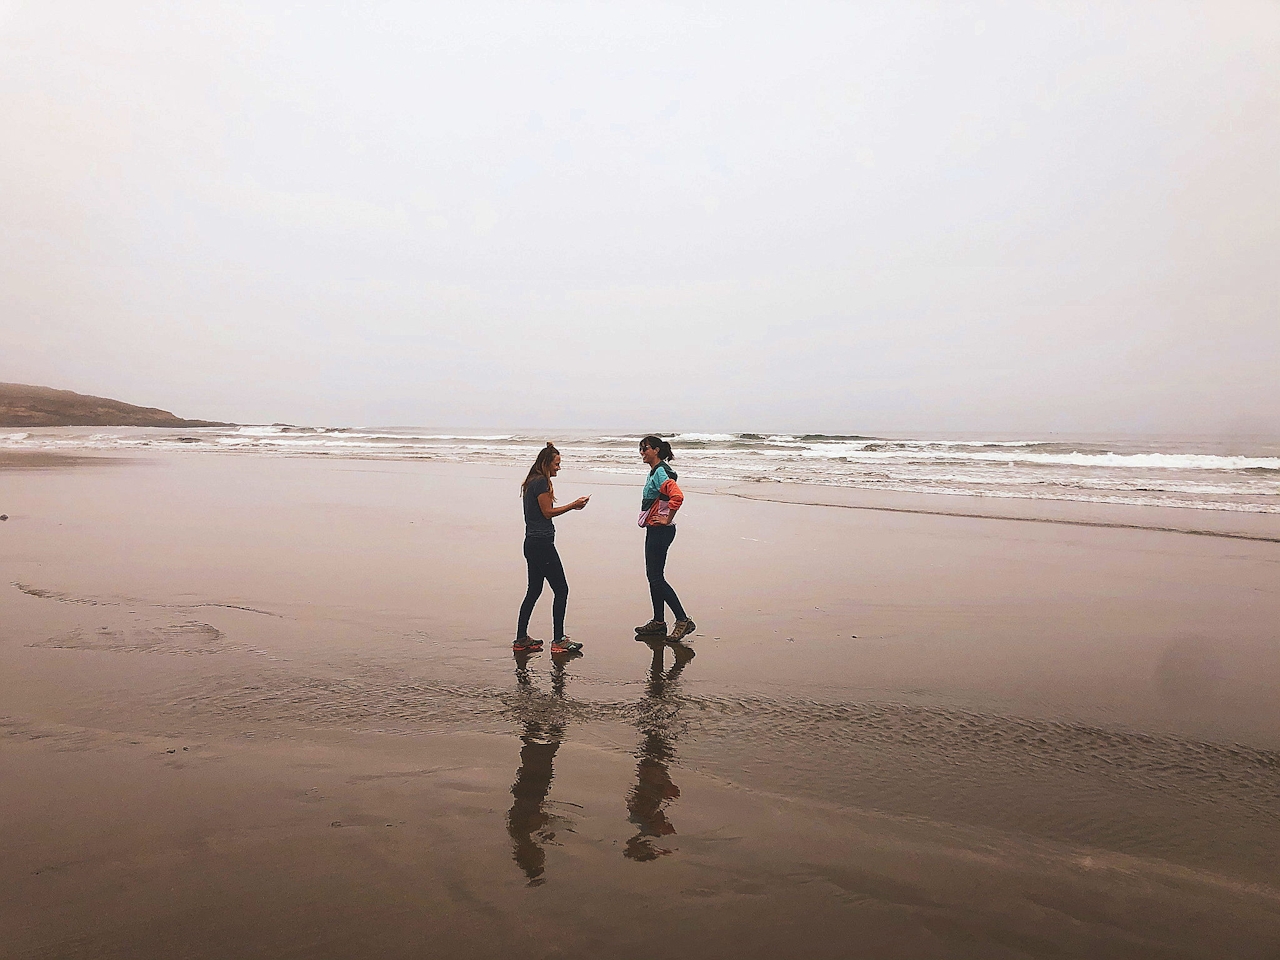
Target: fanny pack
[{"x": 660, "y": 508}]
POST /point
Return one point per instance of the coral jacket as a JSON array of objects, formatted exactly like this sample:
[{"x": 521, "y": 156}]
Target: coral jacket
[{"x": 661, "y": 496}]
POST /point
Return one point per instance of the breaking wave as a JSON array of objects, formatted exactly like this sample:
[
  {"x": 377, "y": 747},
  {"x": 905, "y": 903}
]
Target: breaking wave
[{"x": 1188, "y": 474}]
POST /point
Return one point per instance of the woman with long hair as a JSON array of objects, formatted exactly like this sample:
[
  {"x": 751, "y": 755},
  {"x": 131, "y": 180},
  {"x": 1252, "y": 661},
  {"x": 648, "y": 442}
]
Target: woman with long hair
[
  {"x": 540, "y": 552},
  {"x": 659, "y": 502}
]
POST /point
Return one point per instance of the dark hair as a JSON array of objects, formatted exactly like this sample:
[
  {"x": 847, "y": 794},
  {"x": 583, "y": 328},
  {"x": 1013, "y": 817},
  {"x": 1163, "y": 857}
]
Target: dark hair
[
  {"x": 663, "y": 448},
  {"x": 542, "y": 468}
]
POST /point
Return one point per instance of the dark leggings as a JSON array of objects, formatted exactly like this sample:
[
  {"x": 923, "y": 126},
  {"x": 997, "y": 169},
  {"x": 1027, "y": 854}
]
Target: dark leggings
[
  {"x": 544, "y": 564},
  {"x": 657, "y": 541}
]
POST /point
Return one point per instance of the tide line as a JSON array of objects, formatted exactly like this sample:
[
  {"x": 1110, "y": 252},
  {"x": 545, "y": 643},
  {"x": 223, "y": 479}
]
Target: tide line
[{"x": 1104, "y": 524}]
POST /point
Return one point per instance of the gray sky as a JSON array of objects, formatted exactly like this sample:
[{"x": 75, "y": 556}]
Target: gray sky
[{"x": 849, "y": 217}]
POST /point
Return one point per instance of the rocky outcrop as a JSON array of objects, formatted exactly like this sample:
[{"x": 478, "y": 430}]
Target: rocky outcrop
[{"x": 23, "y": 405}]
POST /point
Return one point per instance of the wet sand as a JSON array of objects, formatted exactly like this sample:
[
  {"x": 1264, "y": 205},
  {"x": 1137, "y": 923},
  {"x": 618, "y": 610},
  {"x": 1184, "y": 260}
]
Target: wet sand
[
  {"x": 42, "y": 460},
  {"x": 266, "y": 707}
]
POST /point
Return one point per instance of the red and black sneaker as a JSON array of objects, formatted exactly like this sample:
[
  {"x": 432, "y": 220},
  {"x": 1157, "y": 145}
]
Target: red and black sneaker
[
  {"x": 565, "y": 645},
  {"x": 527, "y": 645}
]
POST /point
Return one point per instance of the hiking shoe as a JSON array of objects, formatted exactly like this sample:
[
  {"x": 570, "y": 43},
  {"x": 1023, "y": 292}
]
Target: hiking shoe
[
  {"x": 527, "y": 645},
  {"x": 653, "y": 628},
  {"x": 565, "y": 645},
  {"x": 682, "y": 629}
]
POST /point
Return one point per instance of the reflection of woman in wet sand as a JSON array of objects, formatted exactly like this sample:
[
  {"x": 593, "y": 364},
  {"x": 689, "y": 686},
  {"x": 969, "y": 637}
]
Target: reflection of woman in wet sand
[
  {"x": 528, "y": 822},
  {"x": 654, "y": 789}
]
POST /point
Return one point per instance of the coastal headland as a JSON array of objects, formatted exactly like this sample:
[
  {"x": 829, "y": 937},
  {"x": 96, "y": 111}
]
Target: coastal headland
[
  {"x": 264, "y": 706},
  {"x": 24, "y": 405}
]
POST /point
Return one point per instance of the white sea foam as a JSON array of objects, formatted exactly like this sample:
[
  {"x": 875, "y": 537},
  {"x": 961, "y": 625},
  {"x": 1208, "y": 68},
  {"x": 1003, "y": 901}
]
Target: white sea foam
[
  {"x": 366, "y": 435},
  {"x": 1184, "y": 474}
]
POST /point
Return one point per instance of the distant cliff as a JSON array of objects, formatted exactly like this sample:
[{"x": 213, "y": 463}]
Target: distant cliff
[{"x": 22, "y": 405}]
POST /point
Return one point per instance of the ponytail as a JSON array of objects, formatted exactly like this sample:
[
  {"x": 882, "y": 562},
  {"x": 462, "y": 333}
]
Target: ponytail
[{"x": 657, "y": 443}]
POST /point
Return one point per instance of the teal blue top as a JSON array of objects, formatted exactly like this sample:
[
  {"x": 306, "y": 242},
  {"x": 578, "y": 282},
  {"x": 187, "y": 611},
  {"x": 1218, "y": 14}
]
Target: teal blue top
[{"x": 659, "y": 475}]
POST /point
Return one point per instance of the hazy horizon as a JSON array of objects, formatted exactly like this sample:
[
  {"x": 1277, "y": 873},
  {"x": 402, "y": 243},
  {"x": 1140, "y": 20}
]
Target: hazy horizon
[{"x": 960, "y": 219}]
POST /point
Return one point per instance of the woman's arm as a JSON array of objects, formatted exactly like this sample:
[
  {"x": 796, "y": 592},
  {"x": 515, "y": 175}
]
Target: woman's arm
[
  {"x": 675, "y": 498},
  {"x": 548, "y": 511}
]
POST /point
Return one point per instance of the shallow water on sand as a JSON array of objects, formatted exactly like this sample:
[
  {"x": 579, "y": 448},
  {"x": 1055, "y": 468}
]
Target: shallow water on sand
[
  {"x": 892, "y": 735},
  {"x": 1201, "y": 804}
]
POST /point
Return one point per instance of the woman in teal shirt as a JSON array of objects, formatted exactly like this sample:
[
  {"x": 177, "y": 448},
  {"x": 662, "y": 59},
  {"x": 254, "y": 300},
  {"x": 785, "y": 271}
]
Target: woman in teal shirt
[{"x": 659, "y": 502}]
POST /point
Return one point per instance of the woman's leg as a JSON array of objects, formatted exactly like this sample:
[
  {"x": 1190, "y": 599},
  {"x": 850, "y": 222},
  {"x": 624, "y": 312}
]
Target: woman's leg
[
  {"x": 534, "y": 557},
  {"x": 655, "y": 561},
  {"x": 657, "y": 541},
  {"x": 554, "y": 572}
]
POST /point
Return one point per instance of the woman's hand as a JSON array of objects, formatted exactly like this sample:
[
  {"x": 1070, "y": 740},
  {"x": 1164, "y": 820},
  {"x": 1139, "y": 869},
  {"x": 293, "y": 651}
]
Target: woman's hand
[{"x": 548, "y": 511}]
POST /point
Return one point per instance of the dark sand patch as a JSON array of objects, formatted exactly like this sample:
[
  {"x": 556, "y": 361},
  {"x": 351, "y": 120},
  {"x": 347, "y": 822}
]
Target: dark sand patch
[
  {"x": 48, "y": 460},
  {"x": 188, "y": 639}
]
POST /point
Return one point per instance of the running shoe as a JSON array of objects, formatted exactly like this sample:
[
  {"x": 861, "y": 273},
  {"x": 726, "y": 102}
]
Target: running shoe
[
  {"x": 565, "y": 645},
  {"x": 682, "y": 629},
  {"x": 527, "y": 645},
  {"x": 652, "y": 629}
]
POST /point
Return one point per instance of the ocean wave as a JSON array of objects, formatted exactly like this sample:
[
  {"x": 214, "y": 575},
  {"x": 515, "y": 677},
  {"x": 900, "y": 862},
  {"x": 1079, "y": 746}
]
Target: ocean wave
[
  {"x": 702, "y": 438},
  {"x": 492, "y": 438},
  {"x": 831, "y": 438},
  {"x": 1161, "y": 461},
  {"x": 963, "y": 447},
  {"x": 1190, "y": 474},
  {"x": 261, "y": 431},
  {"x": 852, "y": 452}
]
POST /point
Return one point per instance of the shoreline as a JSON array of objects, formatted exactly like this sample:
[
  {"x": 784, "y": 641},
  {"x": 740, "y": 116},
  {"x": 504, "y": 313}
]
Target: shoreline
[
  {"x": 1035, "y": 479},
  {"x": 1230, "y": 524},
  {"x": 1234, "y": 525}
]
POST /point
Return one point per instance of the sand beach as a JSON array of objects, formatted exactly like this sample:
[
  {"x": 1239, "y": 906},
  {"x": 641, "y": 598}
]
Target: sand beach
[
  {"x": 266, "y": 707},
  {"x": 961, "y": 323}
]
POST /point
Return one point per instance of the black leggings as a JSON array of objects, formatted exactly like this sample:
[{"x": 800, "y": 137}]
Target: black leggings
[
  {"x": 657, "y": 541},
  {"x": 544, "y": 564}
]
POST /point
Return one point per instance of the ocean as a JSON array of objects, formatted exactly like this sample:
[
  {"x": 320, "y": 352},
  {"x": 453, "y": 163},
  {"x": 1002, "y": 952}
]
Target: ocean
[{"x": 1238, "y": 475}]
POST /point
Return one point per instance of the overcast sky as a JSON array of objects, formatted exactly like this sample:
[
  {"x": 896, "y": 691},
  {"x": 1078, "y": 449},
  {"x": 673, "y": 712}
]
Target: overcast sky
[{"x": 1014, "y": 217}]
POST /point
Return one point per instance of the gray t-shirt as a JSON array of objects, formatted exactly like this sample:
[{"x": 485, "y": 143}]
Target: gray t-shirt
[{"x": 536, "y": 525}]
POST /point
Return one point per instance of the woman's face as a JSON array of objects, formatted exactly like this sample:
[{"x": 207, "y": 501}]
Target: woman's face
[
  {"x": 554, "y": 467},
  {"x": 649, "y": 455}
]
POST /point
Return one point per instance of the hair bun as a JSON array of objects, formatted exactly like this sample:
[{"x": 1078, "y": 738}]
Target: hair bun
[{"x": 550, "y": 444}]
